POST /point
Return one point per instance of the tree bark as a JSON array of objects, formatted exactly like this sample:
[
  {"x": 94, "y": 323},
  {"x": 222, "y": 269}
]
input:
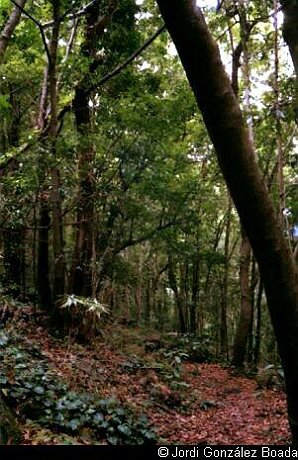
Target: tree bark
[
  {"x": 9, "y": 28},
  {"x": 81, "y": 274},
  {"x": 258, "y": 334},
  {"x": 201, "y": 60},
  {"x": 243, "y": 329},
  {"x": 195, "y": 286},
  {"x": 55, "y": 199},
  {"x": 182, "y": 325},
  {"x": 290, "y": 34},
  {"x": 246, "y": 310},
  {"x": 224, "y": 349},
  {"x": 43, "y": 280}
]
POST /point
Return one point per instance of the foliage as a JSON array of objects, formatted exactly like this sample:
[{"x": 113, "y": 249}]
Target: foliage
[
  {"x": 189, "y": 347},
  {"x": 147, "y": 169},
  {"x": 29, "y": 385},
  {"x": 271, "y": 376},
  {"x": 84, "y": 316}
]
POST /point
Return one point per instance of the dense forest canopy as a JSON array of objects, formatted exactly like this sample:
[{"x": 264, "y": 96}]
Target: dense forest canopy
[{"x": 111, "y": 195}]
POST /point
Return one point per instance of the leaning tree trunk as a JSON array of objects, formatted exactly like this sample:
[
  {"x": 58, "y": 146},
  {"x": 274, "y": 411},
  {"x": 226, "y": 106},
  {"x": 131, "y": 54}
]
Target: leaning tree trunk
[
  {"x": 290, "y": 33},
  {"x": 200, "y": 57}
]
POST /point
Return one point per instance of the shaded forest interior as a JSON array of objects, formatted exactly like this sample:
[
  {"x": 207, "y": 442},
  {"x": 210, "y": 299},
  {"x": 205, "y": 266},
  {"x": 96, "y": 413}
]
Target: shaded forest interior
[{"x": 148, "y": 221}]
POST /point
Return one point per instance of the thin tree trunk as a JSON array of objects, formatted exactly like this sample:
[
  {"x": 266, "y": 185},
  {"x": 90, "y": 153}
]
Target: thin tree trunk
[
  {"x": 55, "y": 199},
  {"x": 9, "y": 28},
  {"x": 200, "y": 57},
  {"x": 278, "y": 127},
  {"x": 258, "y": 334},
  {"x": 254, "y": 278},
  {"x": 43, "y": 280},
  {"x": 244, "y": 325},
  {"x": 224, "y": 349},
  {"x": 42, "y": 113},
  {"x": 184, "y": 291},
  {"x": 182, "y": 327},
  {"x": 246, "y": 307},
  {"x": 195, "y": 284},
  {"x": 43, "y": 284}
]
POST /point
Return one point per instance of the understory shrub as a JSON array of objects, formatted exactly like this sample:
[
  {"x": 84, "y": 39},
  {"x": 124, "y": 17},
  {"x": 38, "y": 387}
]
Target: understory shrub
[{"x": 31, "y": 387}]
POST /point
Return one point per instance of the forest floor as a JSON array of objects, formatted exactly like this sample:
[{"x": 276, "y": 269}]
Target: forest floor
[{"x": 185, "y": 402}]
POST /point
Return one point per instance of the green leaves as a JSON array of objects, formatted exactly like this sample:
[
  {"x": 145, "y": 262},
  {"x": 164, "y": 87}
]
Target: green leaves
[
  {"x": 34, "y": 388},
  {"x": 4, "y": 102},
  {"x": 39, "y": 390},
  {"x": 3, "y": 339}
]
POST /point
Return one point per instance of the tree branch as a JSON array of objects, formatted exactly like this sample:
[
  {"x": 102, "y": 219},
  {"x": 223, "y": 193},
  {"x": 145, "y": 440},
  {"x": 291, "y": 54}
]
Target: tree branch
[
  {"x": 116, "y": 71},
  {"x": 9, "y": 28},
  {"x": 70, "y": 15},
  {"x": 141, "y": 239},
  {"x": 122, "y": 66},
  {"x": 38, "y": 24}
]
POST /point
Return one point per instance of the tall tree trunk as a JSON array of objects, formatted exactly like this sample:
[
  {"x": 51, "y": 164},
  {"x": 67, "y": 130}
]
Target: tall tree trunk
[
  {"x": 254, "y": 279},
  {"x": 243, "y": 329},
  {"x": 43, "y": 284},
  {"x": 55, "y": 199},
  {"x": 200, "y": 57},
  {"x": 82, "y": 269},
  {"x": 224, "y": 300},
  {"x": 278, "y": 126},
  {"x": 258, "y": 334},
  {"x": 182, "y": 326},
  {"x": 246, "y": 307},
  {"x": 290, "y": 33},
  {"x": 195, "y": 285},
  {"x": 13, "y": 235}
]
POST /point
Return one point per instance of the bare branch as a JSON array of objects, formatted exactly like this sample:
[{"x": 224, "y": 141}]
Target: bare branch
[
  {"x": 38, "y": 24},
  {"x": 70, "y": 15},
  {"x": 71, "y": 38}
]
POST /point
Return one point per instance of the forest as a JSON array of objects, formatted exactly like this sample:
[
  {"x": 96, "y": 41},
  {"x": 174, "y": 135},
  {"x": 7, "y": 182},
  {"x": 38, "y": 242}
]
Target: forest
[{"x": 148, "y": 222}]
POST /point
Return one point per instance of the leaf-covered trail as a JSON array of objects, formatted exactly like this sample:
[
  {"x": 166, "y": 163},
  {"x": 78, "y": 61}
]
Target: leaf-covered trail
[
  {"x": 239, "y": 413},
  {"x": 214, "y": 407}
]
